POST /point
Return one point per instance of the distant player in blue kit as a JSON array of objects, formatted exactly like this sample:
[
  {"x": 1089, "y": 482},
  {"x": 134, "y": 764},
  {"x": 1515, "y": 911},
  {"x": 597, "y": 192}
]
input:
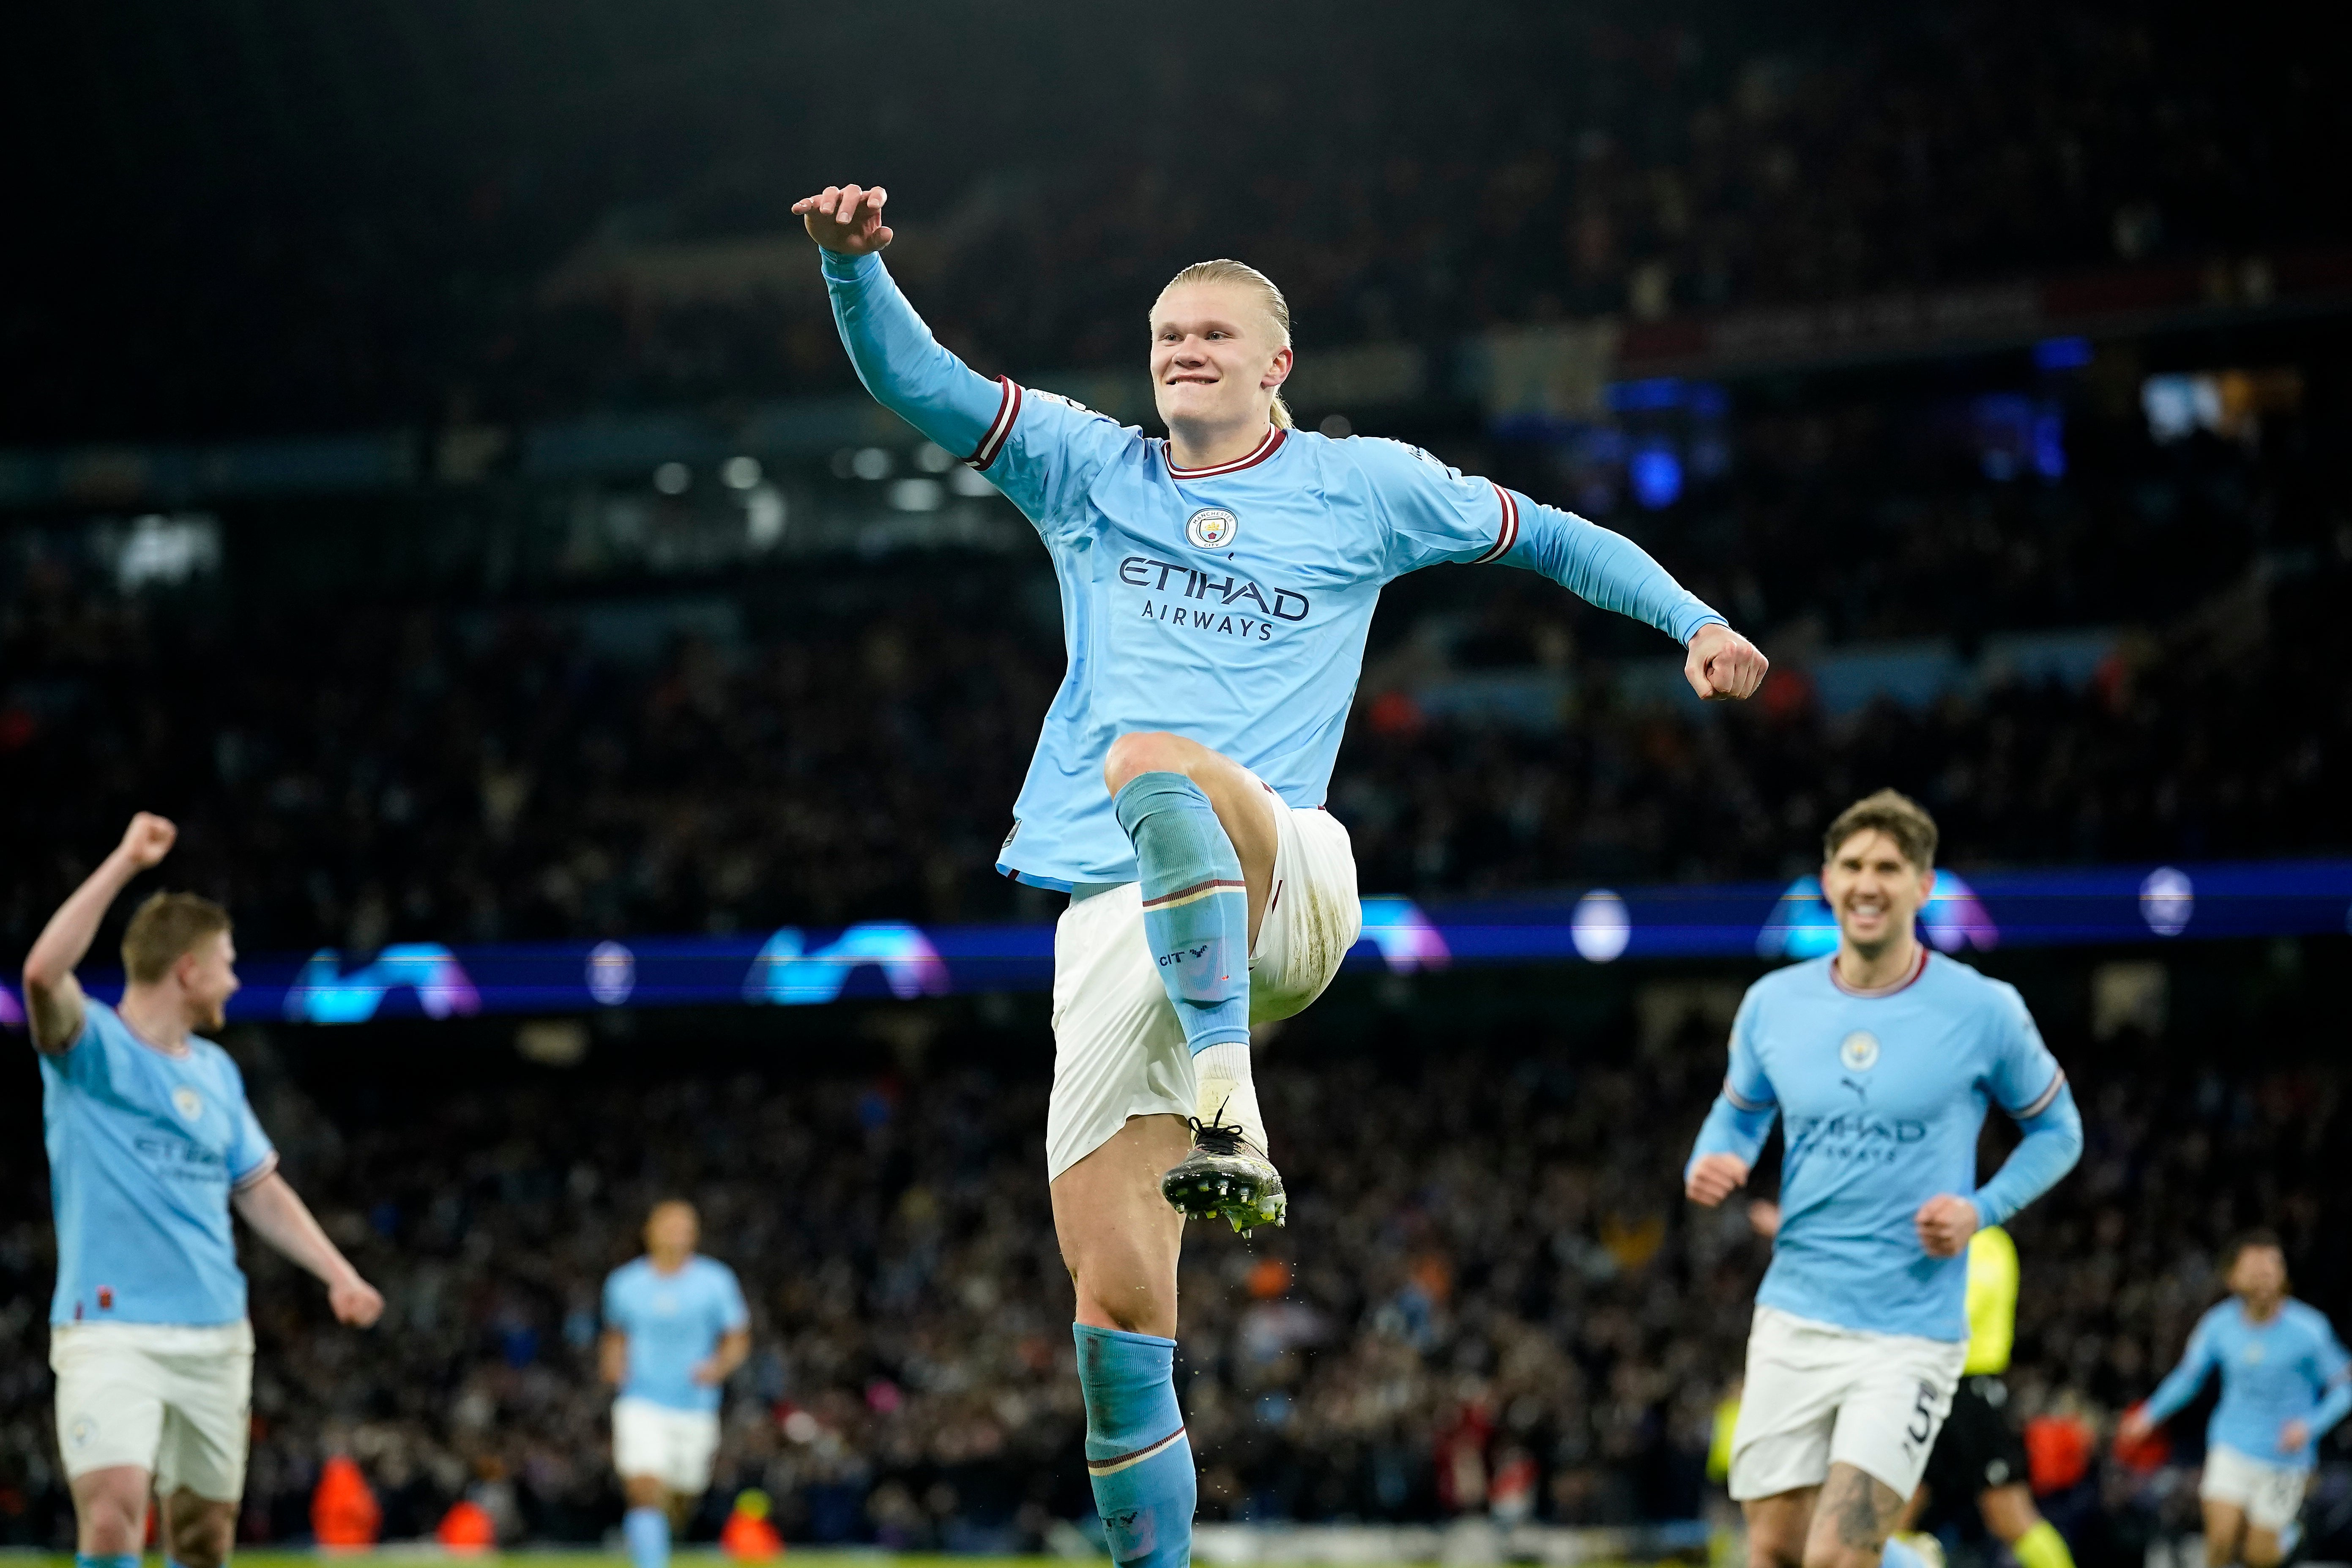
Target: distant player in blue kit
[
  {"x": 1880, "y": 1060},
  {"x": 1217, "y": 590},
  {"x": 2285, "y": 1381},
  {"x": 675, "y": 1328},
  {"x": 151, "y": 1143}
]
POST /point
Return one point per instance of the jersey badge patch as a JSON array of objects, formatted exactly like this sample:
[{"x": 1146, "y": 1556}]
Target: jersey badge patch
[
  {"x": 1211, "y": 528},
  {"x": 188, "y": 1103},
  {"x": 1859, "y": 1051}
]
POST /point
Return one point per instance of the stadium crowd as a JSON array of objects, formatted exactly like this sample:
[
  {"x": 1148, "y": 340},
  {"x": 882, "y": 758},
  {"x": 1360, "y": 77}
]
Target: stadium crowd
[
  {"x": 353, "y": 775},
  {"x": 1425, "y": 179},
  {"x": 1410, "y": 1348}
]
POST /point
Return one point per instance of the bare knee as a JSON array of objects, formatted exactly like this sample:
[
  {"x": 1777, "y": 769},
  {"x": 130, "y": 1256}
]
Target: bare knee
[
  {"x": 200, "y": 1530},
  {"x": 1146, "y": 751},
  {"x": 1775, "y": 1530},
  {"x": 2262, "y": 1549},
  {"x": 111, "y": 1510}
]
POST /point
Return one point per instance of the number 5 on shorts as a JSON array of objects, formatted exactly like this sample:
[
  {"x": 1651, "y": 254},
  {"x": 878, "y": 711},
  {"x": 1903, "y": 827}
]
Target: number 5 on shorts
[{"x": 1921, "y": 1429}]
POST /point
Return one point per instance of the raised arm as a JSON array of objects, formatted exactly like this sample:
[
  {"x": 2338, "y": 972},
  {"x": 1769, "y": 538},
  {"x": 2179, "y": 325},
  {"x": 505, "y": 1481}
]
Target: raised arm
[
  {"x": 53, "y": 996},
  {"x": 897, "y": 357},
  {"x": 279, "y": 1216}
]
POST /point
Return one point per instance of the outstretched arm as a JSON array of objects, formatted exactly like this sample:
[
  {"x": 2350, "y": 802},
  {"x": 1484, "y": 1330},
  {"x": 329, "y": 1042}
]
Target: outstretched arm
[
  {"x": 897, "y": 357},
  {"x": 1608, "y": 568},
  {"x": 2178, "y": 1387},
  {"x": 279, "y": 1216},
  {"x": 53, "y": 997}
]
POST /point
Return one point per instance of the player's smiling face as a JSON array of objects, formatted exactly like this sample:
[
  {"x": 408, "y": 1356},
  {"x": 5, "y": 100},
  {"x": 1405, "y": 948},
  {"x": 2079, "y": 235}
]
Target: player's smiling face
[
  {"x": 1215, "y": 358},
  {"x": 1873, "y": 891}
]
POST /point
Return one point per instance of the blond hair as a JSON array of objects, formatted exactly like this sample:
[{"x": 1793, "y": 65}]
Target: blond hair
[
  {"x": 166, "y": 928},
  {"x": 1224, "y": 269},
  {"x": 1890, "y": 812}
]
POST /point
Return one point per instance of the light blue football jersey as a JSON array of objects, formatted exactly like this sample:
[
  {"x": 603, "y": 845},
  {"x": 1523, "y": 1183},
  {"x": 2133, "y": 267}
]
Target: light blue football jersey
[
  {"x": 1881, "y": 1097},
  {"x": 674, "y": 1323},
  {"x": 145, "y": 1146},
  {"x": 1228, "y": 605},
  {"x": 2292, "y": 1368}
]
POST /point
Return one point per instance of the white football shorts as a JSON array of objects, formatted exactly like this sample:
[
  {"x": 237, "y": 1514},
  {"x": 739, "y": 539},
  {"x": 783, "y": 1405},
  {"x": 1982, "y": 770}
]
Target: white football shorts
[
  {"x": 175, "y": 1401},
  {"x": 674, "y": 1447},
  {"x": 1119, "y": 1051},
  {"x": 1818, "y": 1394},
  {"x": 2269, "y": 1495}
]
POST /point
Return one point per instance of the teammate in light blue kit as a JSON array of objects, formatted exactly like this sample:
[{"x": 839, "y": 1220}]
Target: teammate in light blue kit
[
  {"x": 675, "y": 1327},
  {"x": 2285, "y": 1381},
  {"x": 1880, "y": 1060},
  {"x": 151, "y": 1143},
  {"x": 1216, "y": 589}
]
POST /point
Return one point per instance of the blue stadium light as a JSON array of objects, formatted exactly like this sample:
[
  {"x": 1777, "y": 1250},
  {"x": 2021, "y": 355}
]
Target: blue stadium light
[
  {"x": 2062, "y": 354},
  {"x": 2110, "y": 905},
  {"x": 1645, "y": 397},
  {"x": 1656, "y": 475}
]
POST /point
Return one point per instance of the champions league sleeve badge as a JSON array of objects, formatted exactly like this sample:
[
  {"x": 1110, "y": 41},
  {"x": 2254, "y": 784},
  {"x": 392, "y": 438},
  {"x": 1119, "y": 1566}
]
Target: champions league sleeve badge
[{"x": 1211, "y": 528}]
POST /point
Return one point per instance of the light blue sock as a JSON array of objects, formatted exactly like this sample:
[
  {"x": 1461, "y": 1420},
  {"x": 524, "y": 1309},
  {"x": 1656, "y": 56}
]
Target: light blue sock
[
  {"x": 647, "y": 1532},
  {"x": 106, "y": 1559},
  {"x": 1195, "y": 905},
  {"x": 1899, "y": 1555},
  {"x": 1137, "y": 1454}
]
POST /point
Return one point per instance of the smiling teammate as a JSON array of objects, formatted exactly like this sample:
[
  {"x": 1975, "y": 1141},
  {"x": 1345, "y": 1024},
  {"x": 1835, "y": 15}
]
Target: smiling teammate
[
  {"x": 151, "y": 1143},
  {"x": 2285, "y": 1380},
  {"x": 1882, "y": 1057},
  {"x": 1216, "y": 588}
]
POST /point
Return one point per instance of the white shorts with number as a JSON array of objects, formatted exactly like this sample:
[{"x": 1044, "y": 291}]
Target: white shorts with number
[
  {"x": 675, "y": 1447},
  {"x": 1119, "y": 1051},
  {"x": 2269, "y": 1495},
  {"x": 1818, "y": 1394},
  {"x": 173, "y": 1400}
]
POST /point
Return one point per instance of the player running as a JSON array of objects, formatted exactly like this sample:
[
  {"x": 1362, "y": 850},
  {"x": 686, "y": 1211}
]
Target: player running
[
  {"x": 151, "y": 1143},
  {"x": 1882, "y": 1057},
  {"x": 675, "y": 1328},
  {"x": 1216, "y": 588},
  {"x": 1978, "y": 1453},
  {"x": 2285, "y": 1380}
]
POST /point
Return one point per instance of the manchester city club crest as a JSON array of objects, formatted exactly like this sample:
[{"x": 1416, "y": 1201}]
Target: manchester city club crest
[
  {"x": 1211, "y": 528},
  {"x": 188, "y": 1103},
  {"x": 1859, "y": 1051}
]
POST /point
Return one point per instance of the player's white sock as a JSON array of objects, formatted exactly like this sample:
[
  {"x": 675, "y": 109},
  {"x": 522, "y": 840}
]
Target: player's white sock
[{"x": 1227, "y": 1093}]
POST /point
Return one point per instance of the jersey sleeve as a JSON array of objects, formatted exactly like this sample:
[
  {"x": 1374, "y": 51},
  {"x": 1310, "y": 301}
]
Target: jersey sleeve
[
  {"x": 2024, "y": 1078},
  {"x": 251, "y": 1156},
  {"x": 2333, "y": 1368},
  {"x": 1043, "y": 451},
  {"x": 614, "y": 1310},
  {"x": 2182, "y": 1384},
  {"x": 1040, "y": 450},
  {"x": 733, "y": 1311},
  {"x": 1435, "y": 513},
  {"x": 1742, "y": 1115}
]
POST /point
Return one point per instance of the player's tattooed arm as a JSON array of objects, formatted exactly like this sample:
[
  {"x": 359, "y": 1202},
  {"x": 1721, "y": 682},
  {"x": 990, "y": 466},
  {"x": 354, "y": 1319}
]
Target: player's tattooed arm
[{"x": 53, "y": 997}]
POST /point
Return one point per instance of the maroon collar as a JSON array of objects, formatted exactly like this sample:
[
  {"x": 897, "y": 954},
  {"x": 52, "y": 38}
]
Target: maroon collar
[
  {"x": 1917, "y": 970},
  {"x": 1265, "y": 448}
]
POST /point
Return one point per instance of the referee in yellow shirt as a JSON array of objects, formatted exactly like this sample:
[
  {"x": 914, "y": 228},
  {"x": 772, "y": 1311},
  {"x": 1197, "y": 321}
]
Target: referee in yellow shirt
[{"x": 1980, "y": 1452}]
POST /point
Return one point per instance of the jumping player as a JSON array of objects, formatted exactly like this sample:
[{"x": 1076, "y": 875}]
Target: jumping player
[
  {"x": 1882, "y": 1057},
  {"x": 1216, "y": 588},
  {"x": 151, "y": 1143},
  {"x": 675, "y": 1328},
  {"x": 2285, "y": 1380}
]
